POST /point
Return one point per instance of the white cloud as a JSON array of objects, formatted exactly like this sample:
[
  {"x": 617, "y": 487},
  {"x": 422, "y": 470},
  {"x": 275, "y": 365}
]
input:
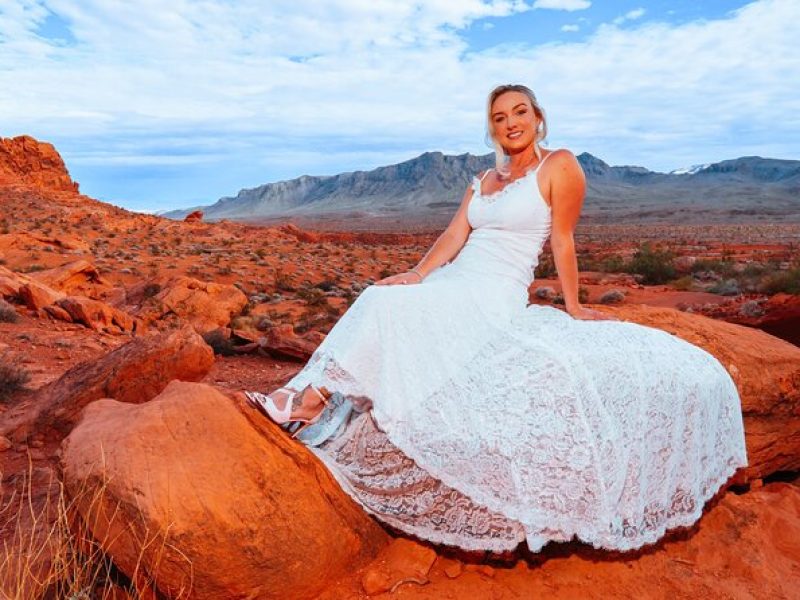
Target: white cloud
[
  {"x": 281, "y": 89},
  {"x": 569, "y": 5},
  {"x": 570, "y": 28},
  {"x": 631, "y": 15}
]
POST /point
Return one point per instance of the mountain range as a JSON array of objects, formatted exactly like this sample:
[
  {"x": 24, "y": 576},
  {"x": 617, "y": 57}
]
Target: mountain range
[{"x": 430, "y": 186}]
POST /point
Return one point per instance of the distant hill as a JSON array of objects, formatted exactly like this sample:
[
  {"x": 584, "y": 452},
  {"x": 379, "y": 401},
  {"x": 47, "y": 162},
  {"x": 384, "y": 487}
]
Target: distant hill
[{"x": 431, "y": 185}]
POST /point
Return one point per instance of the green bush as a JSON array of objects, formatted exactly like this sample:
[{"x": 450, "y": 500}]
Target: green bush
[
  {"x": 787, "y": 282},
  {"x": 654, "y": 265},
  {"x": 725, "y": 268},
  {"x": 612, "y": 264}
]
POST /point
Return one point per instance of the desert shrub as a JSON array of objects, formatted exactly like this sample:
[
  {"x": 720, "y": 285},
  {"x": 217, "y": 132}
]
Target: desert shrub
[
  {"x": 43, "y": 523},
  {"x": 787, "y": 282},
  {"x": 726, "y": 287},
  {"x": 725, "y": 268},
  {"x": 283, "y": 282},
  {"x": 612, "y": 264},
  {"x": 654, "y": 265},
  {"x": 313, "y": 296},
  {"x": 12, "y": 378},
  {"x": 754, "y": 270},
  {"x": 684, "y": 283},
  {"x": 546, "y": 267},
  {"x": 7, "y": 312}
]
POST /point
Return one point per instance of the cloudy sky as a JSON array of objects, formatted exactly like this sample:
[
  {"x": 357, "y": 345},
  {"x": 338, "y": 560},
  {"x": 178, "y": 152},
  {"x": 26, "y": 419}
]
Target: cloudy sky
[{"x": 158, "y": 105}]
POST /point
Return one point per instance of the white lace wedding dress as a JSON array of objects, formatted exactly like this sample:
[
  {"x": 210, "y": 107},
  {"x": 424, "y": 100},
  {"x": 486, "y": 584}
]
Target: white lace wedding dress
[{"x": 489, "y": 422}]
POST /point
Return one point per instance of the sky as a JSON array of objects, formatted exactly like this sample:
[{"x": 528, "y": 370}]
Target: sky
[{"x": 156, "y": 106}]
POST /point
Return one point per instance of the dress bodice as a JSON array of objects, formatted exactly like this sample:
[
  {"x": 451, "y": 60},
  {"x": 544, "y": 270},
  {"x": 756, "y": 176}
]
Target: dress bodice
[{"x": 510, "y": 228}]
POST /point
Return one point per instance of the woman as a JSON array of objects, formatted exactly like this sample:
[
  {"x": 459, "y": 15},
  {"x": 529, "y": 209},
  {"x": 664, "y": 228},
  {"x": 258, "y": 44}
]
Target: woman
[{"x": 482, "y": 422}]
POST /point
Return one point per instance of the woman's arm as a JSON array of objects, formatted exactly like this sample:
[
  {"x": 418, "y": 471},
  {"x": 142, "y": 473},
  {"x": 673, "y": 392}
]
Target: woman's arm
[
  {"x": 446, "y": 246},
  {"x": 567, "y": 190}
]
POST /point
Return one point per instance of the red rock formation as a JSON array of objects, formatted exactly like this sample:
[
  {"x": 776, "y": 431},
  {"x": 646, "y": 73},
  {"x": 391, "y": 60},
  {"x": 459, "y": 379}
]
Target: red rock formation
[
  {"x": 134, "y": 372},
  {"x": 75, "y": 278},
  {"x": 743, "y": 547},
  {"x": 194, "y": 216},
  {"x": 244, "y": 511},
  {"x": 204, "y": 305},
  {"x": 92, "y": 313},
  {"x": 28, "y": 161}
]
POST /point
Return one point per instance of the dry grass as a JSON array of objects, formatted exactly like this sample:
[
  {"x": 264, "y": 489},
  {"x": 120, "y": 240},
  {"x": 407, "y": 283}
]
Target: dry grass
[{"x": 48, "y": 551}]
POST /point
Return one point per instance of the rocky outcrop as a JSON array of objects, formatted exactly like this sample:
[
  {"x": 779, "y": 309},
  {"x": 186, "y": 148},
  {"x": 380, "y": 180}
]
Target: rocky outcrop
[
  {"x": 744, "y": 546},
  {"x": 194, "y": 217},
  {"x": 766, "y": 371},
  {"x": 206, "y": 306},
  {"x": 92, "y": 313},
  {"x": 232, "y": 507},
  {"x": 27, "y": 161},
  {"x": 78, "y": 277},
  {"x": 132, "y": 373}
]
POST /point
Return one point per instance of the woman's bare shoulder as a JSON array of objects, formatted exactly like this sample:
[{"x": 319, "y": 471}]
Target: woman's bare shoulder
[{"x": 563, "y": 156}]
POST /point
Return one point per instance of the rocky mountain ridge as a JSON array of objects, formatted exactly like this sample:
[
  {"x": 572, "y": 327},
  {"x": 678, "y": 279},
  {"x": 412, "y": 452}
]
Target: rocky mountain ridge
[{"x": 432, "y": 184}]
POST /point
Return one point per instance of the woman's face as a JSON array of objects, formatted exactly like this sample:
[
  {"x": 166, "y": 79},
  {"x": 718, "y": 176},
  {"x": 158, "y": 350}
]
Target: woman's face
[{"x": 513, "y": 121}]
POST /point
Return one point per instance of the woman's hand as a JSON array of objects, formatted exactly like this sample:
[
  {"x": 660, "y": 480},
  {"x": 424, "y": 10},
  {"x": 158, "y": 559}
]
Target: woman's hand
[
  {"x": 589, "y": 314},
  {"x": 401, "y": 278}
]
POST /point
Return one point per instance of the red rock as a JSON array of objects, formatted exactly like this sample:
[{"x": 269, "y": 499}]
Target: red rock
[
  {"x": 63, "y": 240},
  {"x": 55, "y": 311},
  {"x": 282, "y": 342},
  {"x": 96, "y": 315},
  {"x": 244, "y": 511},
  {"x": 78, "y": 278},
  {"x": 402, "y": 561},
  {"x": 206, "y": 306},
  {"x": 194, "y": 216},
  {"x": 26, "y": 160},
  {"x": 301, "y": 234},
  {"x": 37, "y": 296},
  {"x": 133, "y": 372},
  {"x": 745, "y": 546}
]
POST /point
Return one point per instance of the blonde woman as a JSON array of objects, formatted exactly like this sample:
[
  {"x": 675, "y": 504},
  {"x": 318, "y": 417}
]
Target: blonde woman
[{"x": 453, "y": 411}]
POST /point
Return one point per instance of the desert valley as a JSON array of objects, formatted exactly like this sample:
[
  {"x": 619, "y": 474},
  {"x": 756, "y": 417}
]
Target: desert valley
[{"x": 130, "y": 470}]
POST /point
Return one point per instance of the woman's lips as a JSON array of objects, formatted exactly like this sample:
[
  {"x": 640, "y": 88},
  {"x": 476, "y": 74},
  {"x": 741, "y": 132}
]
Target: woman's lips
[{"x": 514, "y": 135}]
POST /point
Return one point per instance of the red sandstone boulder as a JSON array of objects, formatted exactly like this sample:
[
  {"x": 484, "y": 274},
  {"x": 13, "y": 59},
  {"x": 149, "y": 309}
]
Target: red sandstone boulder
[
  {"x": 75, "y": 278},
  {"x": 232, "y": 506},
  {"x": 766, "y": 371},
  {"x": 194, "y": 217},
  {"x": 282, "y": 342},
  {"x": 37, "y": 296},
  {"x": 301, "y": 234},
  {"x": 206, "y": 306},
  {"x": 94, "y": 314},
  {"x": 134, "y": 373},
  {"x": 28, "y": 161}
]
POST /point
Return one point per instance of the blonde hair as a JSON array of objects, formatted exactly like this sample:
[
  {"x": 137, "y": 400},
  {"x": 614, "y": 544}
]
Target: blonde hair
[{"x": 501, "y": 158}]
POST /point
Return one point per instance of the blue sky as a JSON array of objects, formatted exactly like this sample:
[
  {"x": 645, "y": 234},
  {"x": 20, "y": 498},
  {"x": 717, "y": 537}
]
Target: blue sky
[{"x": 156, "y": 106}]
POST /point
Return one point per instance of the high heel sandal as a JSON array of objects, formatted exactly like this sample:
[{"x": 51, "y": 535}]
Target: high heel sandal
[{"x": 283, "y": 417}]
